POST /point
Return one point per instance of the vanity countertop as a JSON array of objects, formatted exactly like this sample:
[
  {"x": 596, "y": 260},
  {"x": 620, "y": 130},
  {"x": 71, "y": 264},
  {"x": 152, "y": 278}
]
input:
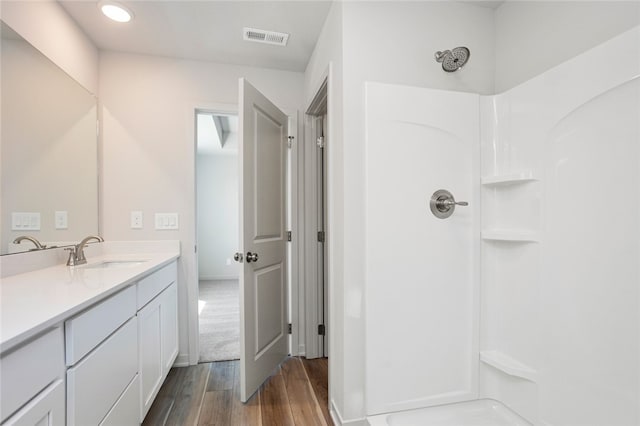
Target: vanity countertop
[{"x": 35, "y": 301}]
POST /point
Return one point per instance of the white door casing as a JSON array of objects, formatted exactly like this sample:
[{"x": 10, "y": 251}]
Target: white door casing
[{"x": 262, "y": 149}]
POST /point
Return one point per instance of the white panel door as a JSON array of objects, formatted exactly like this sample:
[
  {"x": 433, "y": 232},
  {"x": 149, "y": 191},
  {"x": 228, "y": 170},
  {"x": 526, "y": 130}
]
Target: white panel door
[
  {"x": 421, "y": 271},
  {"x": 263, "y": 292}
]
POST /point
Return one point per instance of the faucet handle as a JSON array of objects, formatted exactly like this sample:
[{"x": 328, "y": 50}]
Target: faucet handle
[{"x": 72, "y": 256}]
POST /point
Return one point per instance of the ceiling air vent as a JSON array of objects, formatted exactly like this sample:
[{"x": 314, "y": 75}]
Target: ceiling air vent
[{"x": 263, "y": 36}]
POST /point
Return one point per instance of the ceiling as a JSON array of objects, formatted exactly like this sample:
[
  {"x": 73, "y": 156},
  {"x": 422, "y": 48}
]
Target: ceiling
[
  {"x": 208, "y": 30},
  {"x": 216, "y": 134},
  {"x": 212, "y": 30}
]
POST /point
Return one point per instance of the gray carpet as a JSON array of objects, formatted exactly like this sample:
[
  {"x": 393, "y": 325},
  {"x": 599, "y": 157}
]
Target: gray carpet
[{"x": 219, "y": 321}]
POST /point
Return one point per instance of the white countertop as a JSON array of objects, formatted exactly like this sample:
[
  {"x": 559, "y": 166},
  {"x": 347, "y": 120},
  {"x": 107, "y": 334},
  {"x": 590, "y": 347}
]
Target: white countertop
[{"x": 35, "y": 301}]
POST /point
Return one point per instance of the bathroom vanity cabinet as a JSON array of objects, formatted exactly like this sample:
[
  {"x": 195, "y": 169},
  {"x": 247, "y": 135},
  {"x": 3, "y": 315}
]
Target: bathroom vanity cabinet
[
  {"x": 34, "y": 382},
  {"x": 101, "y": 366}
]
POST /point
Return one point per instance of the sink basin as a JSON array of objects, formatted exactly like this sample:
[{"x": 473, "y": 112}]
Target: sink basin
[{"x": 110, "y": 264}]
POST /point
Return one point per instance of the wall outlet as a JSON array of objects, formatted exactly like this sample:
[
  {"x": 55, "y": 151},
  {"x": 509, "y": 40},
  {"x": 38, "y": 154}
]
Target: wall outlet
[
  {"x": 166, "y": 221},
  {"x": 61, "y": 219},
  {"x": 136, "y": 220}
]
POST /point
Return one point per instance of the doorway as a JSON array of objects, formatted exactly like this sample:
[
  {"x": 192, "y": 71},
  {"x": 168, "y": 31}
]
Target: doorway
[
  {"x": 317, "y": 286},
  {"x": 217, "y": 235}
]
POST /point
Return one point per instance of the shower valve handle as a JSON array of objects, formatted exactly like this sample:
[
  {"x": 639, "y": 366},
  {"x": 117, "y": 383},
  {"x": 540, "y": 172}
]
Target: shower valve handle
[
  {"x": 454, "y": 203},
  {"x": 443, "y": 204}
]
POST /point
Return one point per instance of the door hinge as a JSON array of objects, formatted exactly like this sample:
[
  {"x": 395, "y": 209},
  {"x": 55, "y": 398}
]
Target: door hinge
[
  {"x": 195, "y": 249},
  {"x": 321, "y": 330},
  {"x": 288, "y": 235},
  {"x": 290, "y": 141},
  {"x": 321, "y": 236},
  {"x": 320, "y": 142},
  {"x": 289, "y": 329}
]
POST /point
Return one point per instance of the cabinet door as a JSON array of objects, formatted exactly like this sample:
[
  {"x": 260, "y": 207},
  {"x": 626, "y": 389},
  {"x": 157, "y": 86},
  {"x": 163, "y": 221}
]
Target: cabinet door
[
  {"x": 169, "y": 311},
  {"x": 97, "y": 382},
  {"x": 150, "y": 353},
  {"x": 46, "y": 409}
]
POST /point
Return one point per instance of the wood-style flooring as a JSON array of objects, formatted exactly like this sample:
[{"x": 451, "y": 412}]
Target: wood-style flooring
[{"x": 209, "y": 394}]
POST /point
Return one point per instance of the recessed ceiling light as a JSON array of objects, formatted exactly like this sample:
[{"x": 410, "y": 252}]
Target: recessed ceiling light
[{"x": 115, "y": 11}]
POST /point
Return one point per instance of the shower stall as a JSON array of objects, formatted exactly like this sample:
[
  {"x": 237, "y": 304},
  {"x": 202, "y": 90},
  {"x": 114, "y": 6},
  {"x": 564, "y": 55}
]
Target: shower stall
[{"x": 522, "y": 307}]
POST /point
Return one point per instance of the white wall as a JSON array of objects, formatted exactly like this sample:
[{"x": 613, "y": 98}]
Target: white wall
[
  {"x": 217, "y": 183},
  {"x": 49, "y": 29},
  {"x": 377, "y": 41},
  {"x": 534, "y": 36},
  {"x": 326, "y": 62},
  {"x": 148, "y": 118}
]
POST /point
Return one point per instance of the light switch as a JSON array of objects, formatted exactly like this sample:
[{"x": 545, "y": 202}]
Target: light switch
[
  {"x": 25, "y": 221},
  {"x": 61, "y": 219},
  {"x": 167, "y": 221},
  {"x": 136, "y": 220}
]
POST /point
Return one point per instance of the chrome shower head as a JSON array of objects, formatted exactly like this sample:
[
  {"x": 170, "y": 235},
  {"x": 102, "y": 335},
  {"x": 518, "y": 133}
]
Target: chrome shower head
[{"x": 453, "y": 60}]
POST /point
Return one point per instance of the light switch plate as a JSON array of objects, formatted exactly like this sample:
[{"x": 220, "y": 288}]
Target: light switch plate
[
  {"x": 61, "y": 219},
  {"x": 25, "y": 221},
  {"x": 167, "y": 221},
  {"x": 136, "y": 220}
]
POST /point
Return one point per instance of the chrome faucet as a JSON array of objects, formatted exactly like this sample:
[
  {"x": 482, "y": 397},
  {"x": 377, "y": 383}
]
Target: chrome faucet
[
  {"x": 37, "y": 243},
  {"x": 76, "y": 253}
]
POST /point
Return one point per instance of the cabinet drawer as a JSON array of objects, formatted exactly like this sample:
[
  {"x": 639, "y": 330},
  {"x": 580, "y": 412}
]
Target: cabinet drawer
[
  {"x": 96, "y": 383},
  {"x": 125, "y": 412},
  {"x": 45, "y": 409},
  {"x": 151, "y": 286},
  {"x": 29, "y": 369},
  {"x": 85, "y": 331}
]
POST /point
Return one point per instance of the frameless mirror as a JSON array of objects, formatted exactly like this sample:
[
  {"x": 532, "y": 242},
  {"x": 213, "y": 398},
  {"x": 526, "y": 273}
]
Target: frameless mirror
[{"x": 48, "y": 151}]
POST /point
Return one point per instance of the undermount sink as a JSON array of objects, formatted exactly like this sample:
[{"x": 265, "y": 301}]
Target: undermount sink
[{"x": 110, "y": 264}]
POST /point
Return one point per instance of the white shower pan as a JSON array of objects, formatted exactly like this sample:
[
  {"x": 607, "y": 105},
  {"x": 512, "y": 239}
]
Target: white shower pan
[{"x": 481, "y": 412}]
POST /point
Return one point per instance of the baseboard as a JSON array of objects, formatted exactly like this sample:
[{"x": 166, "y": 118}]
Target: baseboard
[
  {"x": 219, "y": 278},
  {"x": 339, "y": 421},
  {"x": 182, "y": 360}
]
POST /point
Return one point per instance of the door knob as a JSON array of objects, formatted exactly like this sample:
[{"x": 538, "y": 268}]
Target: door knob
[
  {"x": 443, "y": 204},
  {"x": 252, "y": 257},
  {"x": 238, "y": 257}
]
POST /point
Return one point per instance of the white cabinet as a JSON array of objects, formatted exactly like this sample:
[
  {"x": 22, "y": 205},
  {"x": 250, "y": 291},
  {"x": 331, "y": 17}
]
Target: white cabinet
[
  {"x": 29, "y": 371},
  {"x": 169, "y": 317},
  {"x": 125, "y": 411},
  {"x": 102, "y": 367},
  {"x": 150, "y": 352},
  {"x": 46, "y": 409},
  {"x": 96, "y": 383},
  {"x": 158, "y": 343}
]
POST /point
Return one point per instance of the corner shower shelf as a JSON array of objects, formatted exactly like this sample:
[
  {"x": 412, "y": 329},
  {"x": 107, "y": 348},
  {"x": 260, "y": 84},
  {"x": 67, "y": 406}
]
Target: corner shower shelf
[
  {"x": 509, "y": 179},
  {"x": 508, "y": 365},
  {"x": 511, "y": 235}
]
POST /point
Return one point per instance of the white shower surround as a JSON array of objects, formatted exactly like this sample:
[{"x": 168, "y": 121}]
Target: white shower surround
[{"x": 559, "y": 296}]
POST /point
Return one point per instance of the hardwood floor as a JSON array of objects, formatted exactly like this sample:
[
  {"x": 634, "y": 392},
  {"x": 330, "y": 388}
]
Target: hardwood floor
[{"x": 209, "y": 394}]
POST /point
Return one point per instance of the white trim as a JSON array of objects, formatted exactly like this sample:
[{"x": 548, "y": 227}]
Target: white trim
[
  {"x": 182, "y": 360},
  {"x": 313, "y": 313},
  {"x": 339, "y": 421}
]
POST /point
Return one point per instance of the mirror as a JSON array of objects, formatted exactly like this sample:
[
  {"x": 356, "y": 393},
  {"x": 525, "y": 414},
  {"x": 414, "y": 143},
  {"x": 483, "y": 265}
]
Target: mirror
[{"x": 48, "y": 151}]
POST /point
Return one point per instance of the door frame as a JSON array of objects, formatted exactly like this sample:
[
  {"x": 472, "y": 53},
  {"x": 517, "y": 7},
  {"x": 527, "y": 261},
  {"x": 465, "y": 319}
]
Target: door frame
[
  {"x": 315, "y": 311},
  {"x": 293, "y": 175}
]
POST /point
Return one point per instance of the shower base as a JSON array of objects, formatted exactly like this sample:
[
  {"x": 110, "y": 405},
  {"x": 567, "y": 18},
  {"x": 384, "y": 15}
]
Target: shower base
[{"x": 481, "y": 412}]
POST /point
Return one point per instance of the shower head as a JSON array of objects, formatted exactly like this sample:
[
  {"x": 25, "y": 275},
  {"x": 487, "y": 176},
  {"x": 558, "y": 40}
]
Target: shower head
[{"x": 453, "y": 60}]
